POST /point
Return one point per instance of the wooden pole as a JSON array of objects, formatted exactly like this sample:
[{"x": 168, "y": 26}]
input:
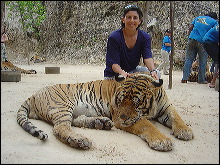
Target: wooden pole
[
  {"x": 172, "y": 5},
  {"x": 2, "y": 11},
  {"x": 2, "y": 18},
  {"x": 145, "y": 13}
]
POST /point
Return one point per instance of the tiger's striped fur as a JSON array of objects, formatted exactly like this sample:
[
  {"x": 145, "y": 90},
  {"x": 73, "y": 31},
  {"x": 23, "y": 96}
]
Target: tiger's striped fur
[
  {"x": 38, "y": 59},
  {"x": 7, "y": 65},
  {"x": 193, "y": 77},
  {"x": 129, "y": 104}
]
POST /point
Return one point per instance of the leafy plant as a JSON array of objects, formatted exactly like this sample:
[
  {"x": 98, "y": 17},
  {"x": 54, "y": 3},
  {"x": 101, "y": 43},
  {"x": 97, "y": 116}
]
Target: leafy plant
[{"x": 32, "y": 14}]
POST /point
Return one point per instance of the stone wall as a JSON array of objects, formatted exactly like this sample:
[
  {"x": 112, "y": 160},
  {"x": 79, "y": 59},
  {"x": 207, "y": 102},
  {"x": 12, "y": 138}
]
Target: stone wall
[{"x": 76, "y": 32}]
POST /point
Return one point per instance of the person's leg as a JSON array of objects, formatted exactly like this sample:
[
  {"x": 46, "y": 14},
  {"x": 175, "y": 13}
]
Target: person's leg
[
  {"x": 165, "y": 64},
  {"x": 191, "y": 52},
  {"x": 160, "y": 67},
  {"x": 212, "y": 84},
  {"x": 213, "y": 52},
  {"x": 166, "y": 61},
  {"x": 215, "y": 76},
  {"x": 212, "y": 67},
  {"x": 202, "y": 65}
]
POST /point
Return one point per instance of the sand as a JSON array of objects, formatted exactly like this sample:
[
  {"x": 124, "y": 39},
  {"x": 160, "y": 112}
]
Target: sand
[{"x": 197, "y": 104}]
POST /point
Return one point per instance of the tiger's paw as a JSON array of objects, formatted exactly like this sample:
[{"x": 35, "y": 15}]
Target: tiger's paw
[
  {"x": 79, "y": 142},
  {"x": 183, "y": 134},
  {"x": 161, "y": 145},
  {"x": 103, "y": 123}
]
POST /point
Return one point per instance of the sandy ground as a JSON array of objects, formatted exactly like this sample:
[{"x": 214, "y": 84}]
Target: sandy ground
[{"x": 197, "y": 104}]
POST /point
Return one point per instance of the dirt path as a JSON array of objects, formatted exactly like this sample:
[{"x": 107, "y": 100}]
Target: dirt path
[{"x": 197, "y": 104}]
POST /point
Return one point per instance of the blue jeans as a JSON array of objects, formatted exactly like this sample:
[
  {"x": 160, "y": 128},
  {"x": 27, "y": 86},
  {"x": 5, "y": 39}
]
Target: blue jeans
[{"x": 194, "y": 47}]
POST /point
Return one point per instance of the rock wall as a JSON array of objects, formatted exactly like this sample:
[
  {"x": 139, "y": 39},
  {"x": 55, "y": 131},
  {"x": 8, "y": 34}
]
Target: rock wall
[{"x": 76, "y": 32}]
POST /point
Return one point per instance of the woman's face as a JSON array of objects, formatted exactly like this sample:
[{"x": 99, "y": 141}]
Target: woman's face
[{"x": 131, "y": 20}]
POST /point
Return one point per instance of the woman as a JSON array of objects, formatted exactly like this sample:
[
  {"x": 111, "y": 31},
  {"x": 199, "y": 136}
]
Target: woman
[{"x": 127, "y": 45}]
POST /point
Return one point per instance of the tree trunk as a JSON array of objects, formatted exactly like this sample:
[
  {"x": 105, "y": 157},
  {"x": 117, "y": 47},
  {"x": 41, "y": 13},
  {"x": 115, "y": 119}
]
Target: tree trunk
[
  {"x": 145, "y": 14},
  {"x": 172, "y": 7},
  {"x": 2, "y": 14}
]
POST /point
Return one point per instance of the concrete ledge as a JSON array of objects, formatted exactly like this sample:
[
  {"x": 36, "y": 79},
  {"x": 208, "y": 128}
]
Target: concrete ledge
[
  {"x": 52, "y": 70},
  {"x": 10, "y": 76}
]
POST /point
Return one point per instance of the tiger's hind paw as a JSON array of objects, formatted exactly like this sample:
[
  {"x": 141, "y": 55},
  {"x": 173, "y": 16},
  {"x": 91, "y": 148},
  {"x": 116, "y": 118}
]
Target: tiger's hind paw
[{"x": 103, "y": 123}]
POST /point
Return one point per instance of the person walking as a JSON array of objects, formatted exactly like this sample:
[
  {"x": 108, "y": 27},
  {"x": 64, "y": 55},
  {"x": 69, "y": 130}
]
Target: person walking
[
  {"x": 127, "y": 45},
  {"x": 165, "y": 53},
  {"x": 199, "y": 26}
]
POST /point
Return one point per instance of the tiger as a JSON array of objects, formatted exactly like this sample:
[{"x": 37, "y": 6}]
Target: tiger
[
  {"x": 128, "y": 104},
  {"x": 193, "y": 77},
  {"x": 37, "y": 59},
  {"x": 7, "y": 65}
]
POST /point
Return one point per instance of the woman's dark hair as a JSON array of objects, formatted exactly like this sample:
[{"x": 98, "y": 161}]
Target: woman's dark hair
[{"x": 132, "y": 8}]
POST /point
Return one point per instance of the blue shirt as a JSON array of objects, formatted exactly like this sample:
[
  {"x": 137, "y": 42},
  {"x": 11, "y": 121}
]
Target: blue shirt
[
  {"x": 212, "y": 35},
  {"x": 202, "y": 24},
  {"x": 119, "y": 53},
  {"x": 166, "y": 39}
]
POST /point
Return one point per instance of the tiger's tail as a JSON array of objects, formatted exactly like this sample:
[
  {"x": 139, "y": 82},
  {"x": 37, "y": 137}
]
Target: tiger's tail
[{"x": 22, "y": 119}]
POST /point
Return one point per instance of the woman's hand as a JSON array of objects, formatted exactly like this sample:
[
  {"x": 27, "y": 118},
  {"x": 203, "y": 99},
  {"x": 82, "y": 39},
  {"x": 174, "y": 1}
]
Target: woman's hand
[
  {"x": 125, "y": 74},
  {"x": 117, "y": 69},
  {"x": 154, "y": 74}
]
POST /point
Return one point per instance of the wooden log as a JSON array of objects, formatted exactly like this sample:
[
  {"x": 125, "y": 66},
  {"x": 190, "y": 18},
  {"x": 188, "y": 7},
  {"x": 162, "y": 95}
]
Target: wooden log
[
  {"x": 10, "y": 76},
  {"x": 52, "y": 70}
]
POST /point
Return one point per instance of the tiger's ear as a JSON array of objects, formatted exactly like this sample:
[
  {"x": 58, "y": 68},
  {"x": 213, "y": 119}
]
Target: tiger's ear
[
  {"x": 158, "y": 83},
  {"x": 119, "y": 78}
]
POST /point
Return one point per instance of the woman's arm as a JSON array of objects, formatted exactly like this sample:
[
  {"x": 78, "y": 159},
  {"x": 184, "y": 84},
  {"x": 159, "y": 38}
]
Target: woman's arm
[
  {"x": 149, "y": 62},
  {"x": 117, "y": 69}
]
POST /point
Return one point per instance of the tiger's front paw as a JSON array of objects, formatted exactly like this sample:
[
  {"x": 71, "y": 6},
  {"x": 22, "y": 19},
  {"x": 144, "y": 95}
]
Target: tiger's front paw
[
  {"x": 161, "y": 145},
  {"x": 79, "y": 142},
  {"x": 103, "y": 123},
  {"x": 183, "y": 134}
]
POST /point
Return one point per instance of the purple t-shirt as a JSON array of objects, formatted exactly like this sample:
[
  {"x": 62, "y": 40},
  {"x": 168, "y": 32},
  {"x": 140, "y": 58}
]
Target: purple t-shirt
[{"x": 119, "y": 53}]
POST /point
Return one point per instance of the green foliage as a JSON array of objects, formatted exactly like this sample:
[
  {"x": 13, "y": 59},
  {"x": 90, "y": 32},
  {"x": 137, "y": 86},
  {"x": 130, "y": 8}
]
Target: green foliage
[{"x": 32, "y": 14}]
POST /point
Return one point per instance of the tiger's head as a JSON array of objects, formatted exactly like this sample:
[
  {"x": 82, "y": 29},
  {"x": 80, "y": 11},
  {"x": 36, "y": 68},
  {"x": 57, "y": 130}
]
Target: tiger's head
[{"x": 135, "y": 98}]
